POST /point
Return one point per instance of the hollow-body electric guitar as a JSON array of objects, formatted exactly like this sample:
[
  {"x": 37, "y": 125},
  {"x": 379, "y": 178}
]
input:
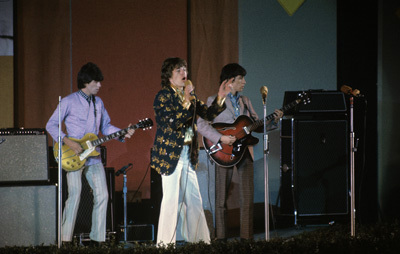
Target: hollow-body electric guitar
[
  {"x": 72, "y": 162},
  {"x": 229, "y": 155}
]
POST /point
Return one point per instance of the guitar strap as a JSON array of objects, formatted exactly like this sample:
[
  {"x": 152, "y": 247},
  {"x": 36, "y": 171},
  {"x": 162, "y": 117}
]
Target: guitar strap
[
  {"x": 95, "y": 113},
  {"x": 246, "y": 107},
  {"x": 94, "y": 106},
  {"x": 248, "y": 113}
]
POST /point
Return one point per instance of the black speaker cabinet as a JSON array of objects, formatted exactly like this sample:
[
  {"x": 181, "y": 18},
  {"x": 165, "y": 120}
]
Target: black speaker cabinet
[
  {"x": 322, "y": 102},
  {"x": 83, "y": 222},
  {"x": 28, "y": 215},
  {"x": 23, "y": 155},
  {"x": 314, "y": 167}
]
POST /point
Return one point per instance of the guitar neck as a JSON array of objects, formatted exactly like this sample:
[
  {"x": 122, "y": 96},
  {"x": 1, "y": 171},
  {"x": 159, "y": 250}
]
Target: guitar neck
[
  {"x": 260, "y": 122},
  {"x": 113, "y": 135}
]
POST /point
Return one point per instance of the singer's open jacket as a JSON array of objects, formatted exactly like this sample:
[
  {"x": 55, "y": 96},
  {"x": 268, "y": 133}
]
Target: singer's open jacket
[{"x": 172, "y": 121}]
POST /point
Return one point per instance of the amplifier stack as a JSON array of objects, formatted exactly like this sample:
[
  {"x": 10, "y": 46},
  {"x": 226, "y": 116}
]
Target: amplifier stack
[
  {"x": 315, "y": 158},
  {"x": 28, "y": 197}
]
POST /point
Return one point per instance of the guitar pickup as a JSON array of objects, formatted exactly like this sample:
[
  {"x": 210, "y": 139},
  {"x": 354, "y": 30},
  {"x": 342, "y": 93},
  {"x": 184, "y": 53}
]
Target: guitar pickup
[
  {"x": 215, "y": 148},
  {"x": 246, "y": 130},
  {"x": 88, "y": 151}
]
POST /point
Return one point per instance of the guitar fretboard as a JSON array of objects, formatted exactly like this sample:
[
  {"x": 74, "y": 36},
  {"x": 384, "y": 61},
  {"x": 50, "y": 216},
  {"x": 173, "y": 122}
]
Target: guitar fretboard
[
  {"x": 285, "y": 108},
  {"x": 113, "y": 135}
]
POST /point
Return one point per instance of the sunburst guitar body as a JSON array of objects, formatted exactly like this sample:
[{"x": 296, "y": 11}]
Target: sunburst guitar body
[{"x": 229, "y": 155}]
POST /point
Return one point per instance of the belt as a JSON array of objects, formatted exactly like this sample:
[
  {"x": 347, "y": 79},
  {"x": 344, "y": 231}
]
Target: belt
[{"x": 186, "y": 143}]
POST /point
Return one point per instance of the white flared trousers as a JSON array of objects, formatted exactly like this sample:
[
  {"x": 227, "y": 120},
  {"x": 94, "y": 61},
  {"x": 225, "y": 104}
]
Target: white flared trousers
[{"x": 181, "y": 198}]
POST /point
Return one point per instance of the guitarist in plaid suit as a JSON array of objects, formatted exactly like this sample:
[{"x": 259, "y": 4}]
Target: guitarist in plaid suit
[{"x": 236, "y": 105}]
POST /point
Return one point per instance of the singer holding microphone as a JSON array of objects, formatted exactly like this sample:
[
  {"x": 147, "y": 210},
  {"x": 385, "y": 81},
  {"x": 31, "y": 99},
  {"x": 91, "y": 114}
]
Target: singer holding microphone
[
  {"x": 175, "y": 152},
  {"x": 236, "y": 105}
]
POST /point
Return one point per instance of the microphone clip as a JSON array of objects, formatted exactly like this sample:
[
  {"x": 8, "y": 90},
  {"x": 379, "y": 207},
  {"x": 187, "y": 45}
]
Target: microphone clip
[
  {"x": 350, "y": 91},
  {"x": 124, "y": 169}
]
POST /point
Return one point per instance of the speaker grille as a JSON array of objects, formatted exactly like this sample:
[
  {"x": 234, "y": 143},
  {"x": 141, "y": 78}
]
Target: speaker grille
[
  {"x": 28, "y": 215},
  {"x": 23, "y": 156},
  {"x": 319, "y": 167}
]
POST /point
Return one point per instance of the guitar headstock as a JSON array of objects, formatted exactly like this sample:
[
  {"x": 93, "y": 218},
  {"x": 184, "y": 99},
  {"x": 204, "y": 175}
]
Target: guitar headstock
[
  {"x": 304, "y": 98},
  {"x": 144, "y": 124}
]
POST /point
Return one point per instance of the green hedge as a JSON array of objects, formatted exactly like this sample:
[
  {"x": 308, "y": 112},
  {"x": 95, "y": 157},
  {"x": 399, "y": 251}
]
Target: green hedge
[{"x": 380, "y": 238}]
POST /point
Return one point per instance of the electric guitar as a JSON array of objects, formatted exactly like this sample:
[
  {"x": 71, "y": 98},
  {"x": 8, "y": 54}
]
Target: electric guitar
[
  {"x": 72, "y": 162},
  {"x": 229, "y": 155}
]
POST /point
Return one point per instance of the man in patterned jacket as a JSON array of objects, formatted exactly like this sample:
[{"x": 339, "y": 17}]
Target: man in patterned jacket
[{"x": 175, "y": 152}]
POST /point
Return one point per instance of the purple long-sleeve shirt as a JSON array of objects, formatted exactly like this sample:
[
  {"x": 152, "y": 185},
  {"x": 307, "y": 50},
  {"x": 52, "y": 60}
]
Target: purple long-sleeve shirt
[{"x": 80, "y": 118}]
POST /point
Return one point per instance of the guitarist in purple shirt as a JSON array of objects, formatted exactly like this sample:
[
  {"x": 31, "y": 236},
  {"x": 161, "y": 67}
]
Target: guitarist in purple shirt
[
  {"x": 236, "y": 105},
  {"x": 83, "y": 112}
]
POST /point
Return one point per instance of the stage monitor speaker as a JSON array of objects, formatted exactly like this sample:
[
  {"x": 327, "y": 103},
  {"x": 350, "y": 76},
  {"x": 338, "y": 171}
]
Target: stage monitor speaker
[
  {"x": 23, "y": 155},
  {"x": 314, "y": 167},
  {"x": 83, "y": 222},
  {"x": 28, "y": 215}
]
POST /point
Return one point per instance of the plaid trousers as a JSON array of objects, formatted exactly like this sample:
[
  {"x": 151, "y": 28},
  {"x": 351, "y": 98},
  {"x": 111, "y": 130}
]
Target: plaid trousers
[{"x": 223, "y": 180}]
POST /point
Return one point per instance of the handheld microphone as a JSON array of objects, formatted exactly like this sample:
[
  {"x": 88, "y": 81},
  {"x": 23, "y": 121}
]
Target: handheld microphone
[
  {"x": 122, "y": 170},
  {"x": 264, "y": 93},
  {"x": 188, "y": 82},
  {"x": 193, "y": 95}
]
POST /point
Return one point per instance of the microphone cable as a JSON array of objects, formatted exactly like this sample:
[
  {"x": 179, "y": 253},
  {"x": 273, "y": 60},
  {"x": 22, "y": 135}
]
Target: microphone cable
[
  {"x": 141, "y": 182},
  {"x": 187, "y": 174}
]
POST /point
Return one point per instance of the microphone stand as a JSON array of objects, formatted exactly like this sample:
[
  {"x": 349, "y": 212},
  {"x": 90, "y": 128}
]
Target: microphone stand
[
  {"x": 125, "y": 191},
  {"x": 59, "y": 176},
  {"x": 353, "y": 149},
  {"x": 266, "y": 180}
]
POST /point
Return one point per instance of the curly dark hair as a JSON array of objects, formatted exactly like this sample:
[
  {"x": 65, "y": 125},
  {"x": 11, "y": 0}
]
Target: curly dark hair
[
  {"x": 168, "y": 66},
  {"x": 230, "y": 71},
  {"x": 89, "y": 72}
]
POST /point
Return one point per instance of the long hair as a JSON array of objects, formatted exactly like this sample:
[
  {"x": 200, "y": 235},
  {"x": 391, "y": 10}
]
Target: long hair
[
  {"x": 89, "y": 72},
  {"x": 168, "y": 66}
]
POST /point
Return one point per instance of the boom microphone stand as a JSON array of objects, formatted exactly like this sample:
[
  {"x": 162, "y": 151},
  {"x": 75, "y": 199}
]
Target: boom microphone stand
[{"x": 123, "y": 170}]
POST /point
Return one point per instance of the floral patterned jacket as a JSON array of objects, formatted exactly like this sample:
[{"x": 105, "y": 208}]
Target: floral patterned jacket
[{"x": 172, "y": 122}]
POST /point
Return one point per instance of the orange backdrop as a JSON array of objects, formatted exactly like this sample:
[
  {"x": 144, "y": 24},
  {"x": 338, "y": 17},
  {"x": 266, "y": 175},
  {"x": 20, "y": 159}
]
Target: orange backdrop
[{"x": 128, "y": 40}]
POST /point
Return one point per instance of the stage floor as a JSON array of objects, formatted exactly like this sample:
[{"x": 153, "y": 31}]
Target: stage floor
[{"x": 282, "y": 232}]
